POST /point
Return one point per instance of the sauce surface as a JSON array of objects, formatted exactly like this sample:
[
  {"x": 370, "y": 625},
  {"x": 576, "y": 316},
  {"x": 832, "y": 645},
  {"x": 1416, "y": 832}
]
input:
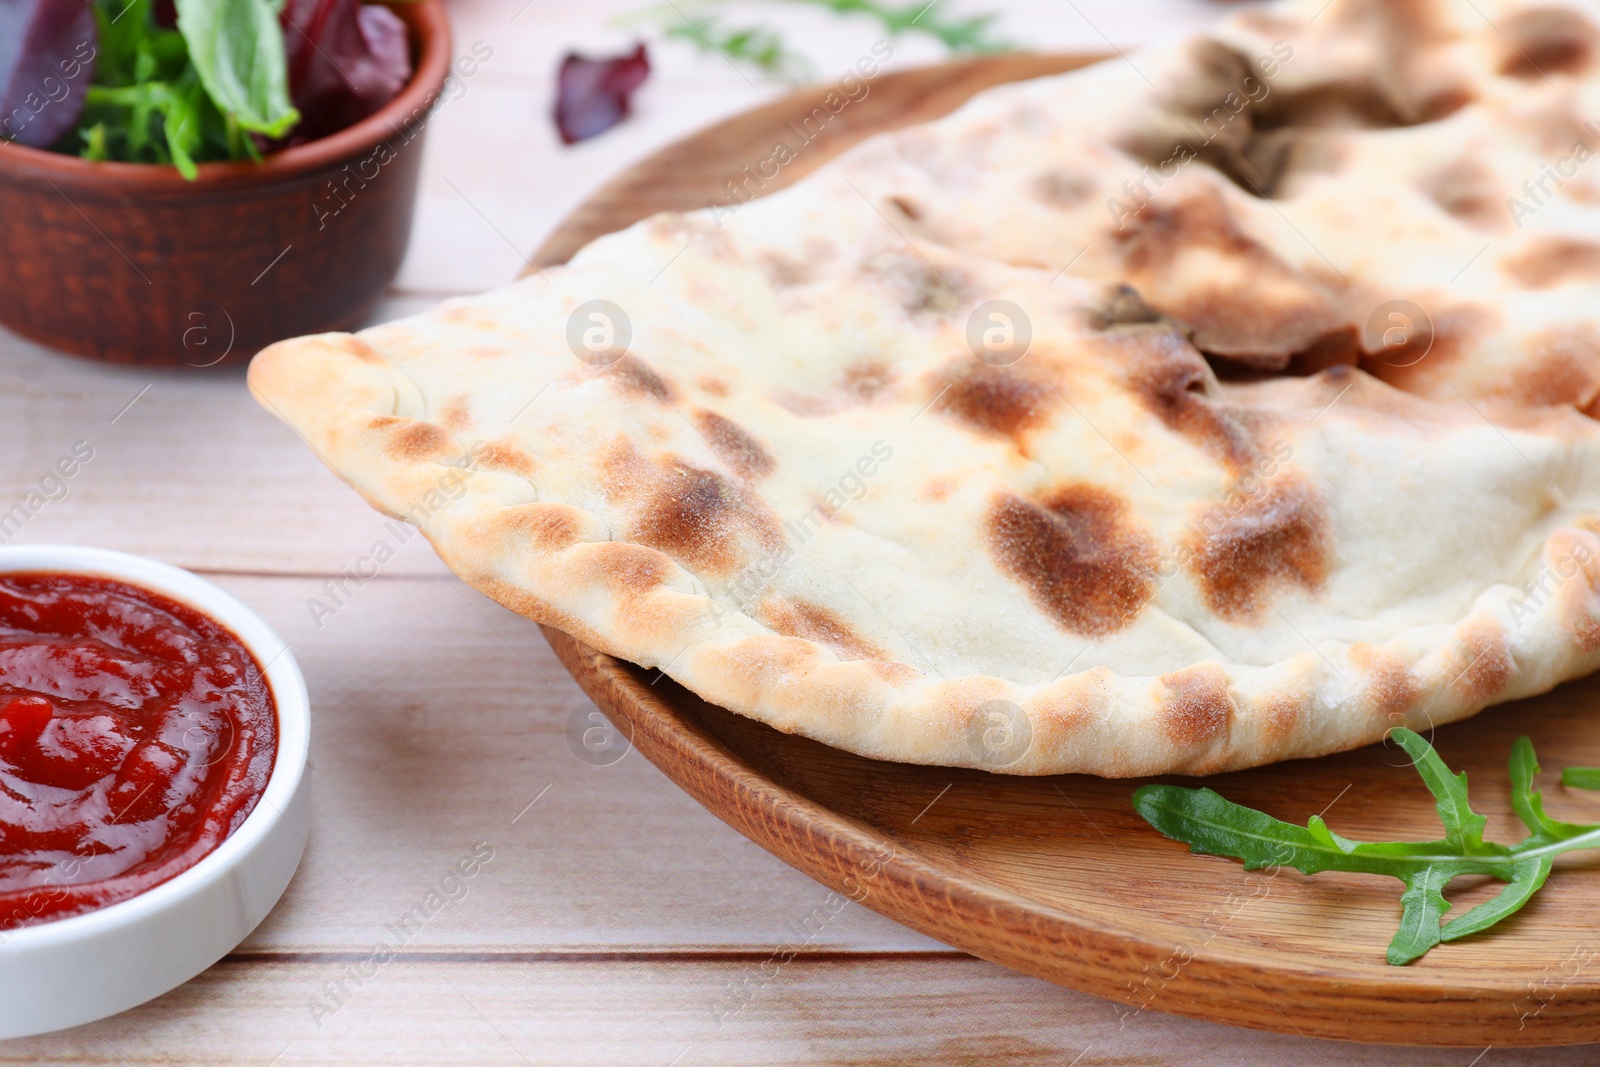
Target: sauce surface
[{"x": 136, "y": 734}]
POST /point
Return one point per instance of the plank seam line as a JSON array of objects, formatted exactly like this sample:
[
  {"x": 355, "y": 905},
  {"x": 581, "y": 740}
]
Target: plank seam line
[
  {"x": 598, "y": 956},
  {"x": 236, "y": 572}
]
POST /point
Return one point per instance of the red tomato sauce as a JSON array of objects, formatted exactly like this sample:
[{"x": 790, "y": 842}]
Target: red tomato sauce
[{"x": 136, "y": 734}]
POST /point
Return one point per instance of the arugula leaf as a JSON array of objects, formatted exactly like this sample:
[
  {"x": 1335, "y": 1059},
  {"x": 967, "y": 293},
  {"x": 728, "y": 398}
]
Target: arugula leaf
[
  {"x": 759, "y": 46},
  {"x": 1211, "y": 824},
  {"x": 1463, "y": 827},
  {"x": 180, "y": 122},
  {"x": 958, "y": 35},
  {"x": 237, "y": 49},
  {"x": 1581, "y": 777},
  {"x": 765, "y": 49}
]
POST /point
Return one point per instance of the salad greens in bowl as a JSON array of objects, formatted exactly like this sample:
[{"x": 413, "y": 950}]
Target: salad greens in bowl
[
  {"x": 183, "y": 182},
  {"x": 187, "y": 81}
]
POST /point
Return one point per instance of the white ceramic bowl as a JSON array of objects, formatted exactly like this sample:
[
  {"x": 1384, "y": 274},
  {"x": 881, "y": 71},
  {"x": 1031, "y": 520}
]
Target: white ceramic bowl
[{"x": 77, "y": 970}]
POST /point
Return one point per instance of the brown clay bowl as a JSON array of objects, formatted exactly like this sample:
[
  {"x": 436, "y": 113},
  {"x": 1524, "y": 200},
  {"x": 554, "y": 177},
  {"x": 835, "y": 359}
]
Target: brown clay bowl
[{"x": 129, "y": 262}]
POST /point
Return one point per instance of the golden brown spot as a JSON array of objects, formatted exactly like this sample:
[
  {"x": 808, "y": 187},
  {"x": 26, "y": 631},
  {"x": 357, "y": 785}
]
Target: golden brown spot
[
  {"x": 713, "y": 385},
  {"x": 734, "y": 445},
  {"x": 1455, "y": 331},
  {"x": 638, "y": 376},
  {"x": 906, "y": 208},
  {"x": 1562, "y": 366},
  {"x": 753, "y": 664},
  {"x": 1391, "y": 686},
  {"x": 456, "y": 414},
  {"x": 784, "y": 272},
  {"x": 414, "y": 440},
  {"x": 355, "y": 346},
  {"x": 938, "y": 490},
  {"x": 996, "y": 400},
  {"x": 546, "y": 527},
  {"x": 1547, "y": 261},
  {"x": 1444, "y": 103},
  {"x": 1586, "y": 631},
  {"x": 1158, "y": 232},
  {"x": 867, "y": 380},
  {"x": 1469, "y": 190},
  {"x": 632, "y": 570},
  {"x": 1173, "y": 382},
  {"x": 919, "y": 286},
  {"x": 1253, "y": 544},
  {"x": 1282, "y": 715},
  {"x": 1546, "y": 40},
  {"x": 504, "y": 456},
  {"x": 1123, "y": 306},
  {"x": 893, "y": 671},
  {"x": 1081, "y": 558},
  {"x": 1168, "y": 248},
  {"x": 795, "y": 618},
  {"x": 1059, "y": 189},
  {"x": 1196, "y": 707},
  {"x": 1055, "y": 721},
  {"x": 1485, "y": 664},
  {"x": 693, "y": 515}
]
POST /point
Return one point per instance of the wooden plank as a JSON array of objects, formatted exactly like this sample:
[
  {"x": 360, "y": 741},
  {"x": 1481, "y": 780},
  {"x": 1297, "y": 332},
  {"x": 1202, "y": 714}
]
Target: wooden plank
[
  {"x": 439, "y": 718},
  {"x": 617, "y": 1013},
  {"x": 186, "y": 468}
]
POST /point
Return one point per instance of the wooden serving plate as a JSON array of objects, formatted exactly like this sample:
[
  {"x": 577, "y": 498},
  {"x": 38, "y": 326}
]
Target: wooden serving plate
[{"x": 1058, "y": 877}]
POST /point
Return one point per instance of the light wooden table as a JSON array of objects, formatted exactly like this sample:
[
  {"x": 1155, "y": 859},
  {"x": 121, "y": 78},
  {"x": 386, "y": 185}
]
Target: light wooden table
[{"x": 617, "y": 922}]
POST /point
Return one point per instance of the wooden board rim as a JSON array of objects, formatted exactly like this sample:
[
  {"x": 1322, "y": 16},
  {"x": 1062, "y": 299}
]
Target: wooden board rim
[
  {"x": 967, "y": 914},
  {"x": 1354, "y": 1002}
]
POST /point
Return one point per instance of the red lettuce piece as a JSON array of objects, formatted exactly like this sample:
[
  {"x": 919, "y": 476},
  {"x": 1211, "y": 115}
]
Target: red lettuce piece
[
  {"x": 47, "y": 54},
  {"x": 346, "y": 60},
  {"x": 593, "y": 95}
]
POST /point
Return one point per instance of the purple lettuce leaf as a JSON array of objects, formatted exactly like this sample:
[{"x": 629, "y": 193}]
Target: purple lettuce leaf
[
  {"x": 47, "y": 54},
  {"x": 593, "y": 95},
  {"x": 346, "y": 60}
]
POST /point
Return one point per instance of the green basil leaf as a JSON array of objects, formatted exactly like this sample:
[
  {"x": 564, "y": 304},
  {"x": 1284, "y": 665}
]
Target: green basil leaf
[{"x": 236, "y": 46}]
